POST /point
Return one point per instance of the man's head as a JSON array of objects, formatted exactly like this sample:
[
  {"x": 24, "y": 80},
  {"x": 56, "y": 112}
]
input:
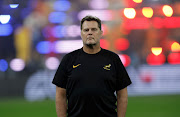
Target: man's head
[{"x": 91, "y": 31}]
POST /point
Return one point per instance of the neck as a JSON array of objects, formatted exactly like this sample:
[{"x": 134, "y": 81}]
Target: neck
[{"x": 91, "y": 50}]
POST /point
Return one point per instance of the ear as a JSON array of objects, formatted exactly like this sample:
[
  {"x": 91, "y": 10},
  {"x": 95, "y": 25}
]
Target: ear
[{"x": 101, "y": 33}]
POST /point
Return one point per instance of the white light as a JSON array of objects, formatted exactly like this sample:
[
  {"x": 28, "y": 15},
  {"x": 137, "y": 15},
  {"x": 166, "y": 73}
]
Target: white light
[
  {"x": 17, "y": 64},
  {"x": 104, "y": 15},
  {"x": 52, "y": 63},
  {"x": 4, "y": 19},
  {"x": 13, "y": 6},
  {"x": 73, "y": 31},
  {"x": 67, "y": 46},
  {"x": 99, "y": 4}
]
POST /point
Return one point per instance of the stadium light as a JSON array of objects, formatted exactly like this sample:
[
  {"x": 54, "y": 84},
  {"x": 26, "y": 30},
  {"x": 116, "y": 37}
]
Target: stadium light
[
  {"x": 13, "y": 6},
  {"x": 52, "y": 63},
  {"x": 138, "y": 1},
  {"x": 167, "y": 10},
  {"x": 17, "y": 64},
  {"x": 121, "y": 44},
  {"x": 4, "y": 19},
  {"x": 173, "y": 58},
  {"x": 3, "y": 65},
  {"x": 156, "y": 60},
  {"x": 156, "y": 50},
  {"x": 130, "y": 13},
  {"x": 98, "y": 4},
  {"x": 147, "y": 12},
  {"x": 61, "y": 5},
  {"x": 175, "y": 47}
]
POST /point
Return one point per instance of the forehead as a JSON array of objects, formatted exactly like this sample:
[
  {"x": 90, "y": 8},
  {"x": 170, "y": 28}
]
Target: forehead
[{"x": 89, "y": 24}]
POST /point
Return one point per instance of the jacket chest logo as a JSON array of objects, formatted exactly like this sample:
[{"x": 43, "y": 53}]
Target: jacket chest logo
[
  {"x": 74, "y": 66},
  {"x": 107, "y": 67}
]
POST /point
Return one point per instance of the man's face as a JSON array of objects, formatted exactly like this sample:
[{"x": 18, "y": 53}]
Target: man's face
[{"x": 90, "y": 33}]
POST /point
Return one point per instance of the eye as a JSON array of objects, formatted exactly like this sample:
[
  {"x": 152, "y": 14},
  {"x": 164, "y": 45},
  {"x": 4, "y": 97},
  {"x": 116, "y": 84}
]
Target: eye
[
  {"x": 86, "y": 30},
  {"x": 94, "y": 29}
]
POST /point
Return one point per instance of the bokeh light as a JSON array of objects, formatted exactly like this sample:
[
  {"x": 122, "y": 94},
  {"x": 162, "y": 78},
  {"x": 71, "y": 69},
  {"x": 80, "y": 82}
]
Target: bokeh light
[
  {"x": 121, "y": 44},
  {"x": 138, "y": 1},
  {"x": 104, "y": 43},
  {"x": 175, "y": 47},
  {"x": 52, "y": 63},
  {"x": 59, "y": 31},
  {"x": 104, "y": 15},
  {"x": 5, "y": 29},
  {"x": 130, "y": 13},
  {"x": 4, "y": 19},
  {"x": 43, "y": 47},
  {"x": 62, "y": 5},
  {"x": 147, "y": 12},
  {"x": 57, "y": 17},
  {"x": 174, "y": 58},
  {"x": 13, "y": 6},
  {"x": 73, "y": 31},
  {"x": 3, "y": 65},
  {"x": 167, "y": 10},
  {"x": 67, "y": 46},
  {"x": 156, "y": 60},
  {"x": 156, "y": 50},
  {"x": 126, "y": 60},
  {"x": 17, "y": 64},
  {"x": 98, "y": 4}
]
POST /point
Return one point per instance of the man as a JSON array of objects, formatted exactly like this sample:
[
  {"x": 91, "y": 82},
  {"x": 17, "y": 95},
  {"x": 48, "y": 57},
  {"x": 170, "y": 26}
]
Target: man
[{"x": 88, "y": 77}]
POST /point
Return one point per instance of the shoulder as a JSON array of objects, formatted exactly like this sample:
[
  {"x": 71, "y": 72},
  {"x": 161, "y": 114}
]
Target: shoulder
[
  {"x": 110, "y": 53},
  {"x": 72, "y": 54}
]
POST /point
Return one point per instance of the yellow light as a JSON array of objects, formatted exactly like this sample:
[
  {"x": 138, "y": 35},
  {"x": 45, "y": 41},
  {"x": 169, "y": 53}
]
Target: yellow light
[
  {"x": 130, "y": 13},
  {"x": 138, "y": 1},
  {"x": 167, "y": 10},
  {"x": 156, "y": 50},
  {"x": 175, "y": 47},
  {"x": 147, "y": 12}
]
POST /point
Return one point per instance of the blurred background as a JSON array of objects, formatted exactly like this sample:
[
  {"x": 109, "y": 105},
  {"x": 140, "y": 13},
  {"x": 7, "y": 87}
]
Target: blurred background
[{"x": 36, "y": 34}]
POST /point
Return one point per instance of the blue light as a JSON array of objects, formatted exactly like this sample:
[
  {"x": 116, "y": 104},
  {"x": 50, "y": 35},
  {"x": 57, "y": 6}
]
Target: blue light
[
  {"x": 62, "y": 5},
  {"x": 44, "y": 47},
  {"x": 13, "y": 6},
  {"x": 4, "y": 19},
  {"x": 59, "y": 31},
  {"x": 3, "y": 65},
  {"x": 5, "y": 29},
  {"x": 57, "y": 17}
]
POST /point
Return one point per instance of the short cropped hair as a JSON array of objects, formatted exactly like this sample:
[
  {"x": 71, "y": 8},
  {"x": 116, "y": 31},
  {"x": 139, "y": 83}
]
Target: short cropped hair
[{"x": 91, "y": 18}]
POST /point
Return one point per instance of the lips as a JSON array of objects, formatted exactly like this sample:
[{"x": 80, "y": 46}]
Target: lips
[{"x": 90, "y": 38}]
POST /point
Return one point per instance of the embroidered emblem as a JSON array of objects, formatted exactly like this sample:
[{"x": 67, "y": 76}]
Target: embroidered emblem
[
  {"x": 107, "y": 67},
  {"x": 74, "y": 66}
]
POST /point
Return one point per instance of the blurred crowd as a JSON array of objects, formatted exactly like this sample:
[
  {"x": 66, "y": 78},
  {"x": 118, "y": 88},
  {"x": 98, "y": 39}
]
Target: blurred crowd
[{"x": 31, "y": 25}]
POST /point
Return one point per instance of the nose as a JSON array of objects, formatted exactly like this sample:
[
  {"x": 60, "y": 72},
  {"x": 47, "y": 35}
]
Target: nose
[{"x": 90, "y": 32}]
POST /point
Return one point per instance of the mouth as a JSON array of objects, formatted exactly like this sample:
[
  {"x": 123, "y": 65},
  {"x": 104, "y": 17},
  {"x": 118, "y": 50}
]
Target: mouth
[{"x": 90, "y": 38}]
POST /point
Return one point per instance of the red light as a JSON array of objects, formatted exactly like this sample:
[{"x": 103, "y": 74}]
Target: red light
[
  {"x": 174, "y": 58},
  {"x": 104, "y": 43},
  {"x": 121, "y": 44},
  {"x": 155, "y": 60},
  {"x": 126, "y": 60},
  {"x": 137, "y": 23}
]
